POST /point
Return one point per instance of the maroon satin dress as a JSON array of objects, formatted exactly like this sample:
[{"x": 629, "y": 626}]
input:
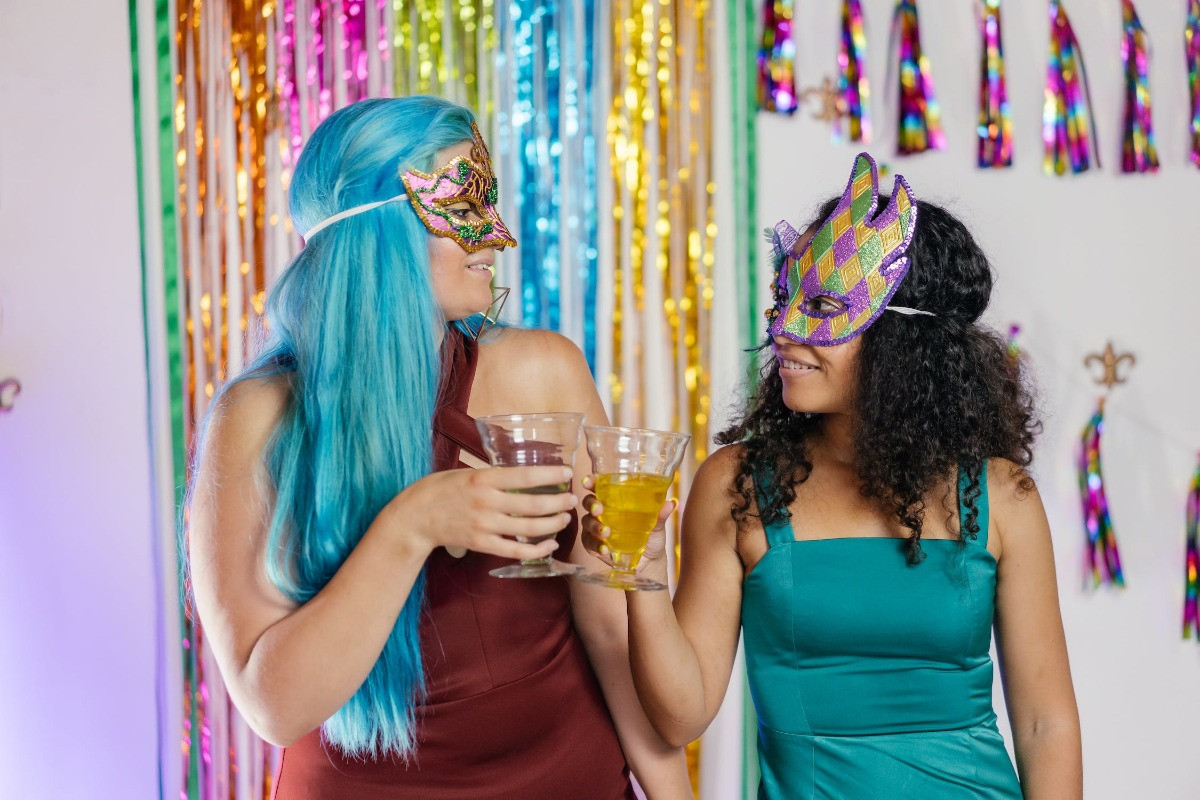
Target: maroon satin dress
[{"x": 513, "y": 707}]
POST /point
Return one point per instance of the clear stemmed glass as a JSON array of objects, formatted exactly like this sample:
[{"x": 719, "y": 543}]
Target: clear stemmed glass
[
  {"x": 634, "y": 468},
  {"x": 527, "y": 440}
]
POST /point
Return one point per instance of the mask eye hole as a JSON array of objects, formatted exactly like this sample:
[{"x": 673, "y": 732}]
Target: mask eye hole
[
  {"x": 824, "y": 305},
  {"x": 465, "y": 211}
]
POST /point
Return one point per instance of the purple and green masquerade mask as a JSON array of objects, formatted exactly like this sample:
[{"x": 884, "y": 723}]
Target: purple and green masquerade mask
[{"x": 841, "y": 281}]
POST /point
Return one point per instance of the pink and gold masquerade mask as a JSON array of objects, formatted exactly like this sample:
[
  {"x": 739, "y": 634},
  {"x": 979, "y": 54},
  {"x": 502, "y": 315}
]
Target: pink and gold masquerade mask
[
  {"x": 841, "y": 281},
  {"x": 466, "y": 179}
]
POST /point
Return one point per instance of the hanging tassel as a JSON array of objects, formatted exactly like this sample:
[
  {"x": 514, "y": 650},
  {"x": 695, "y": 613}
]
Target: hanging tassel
[
  {"x": 1192, "y": 49},
  {"x": 920, "y": 124},
  {"x": 1138, "y": 153},
  {"x": 1067, "y": 125},
  {"x": 854, "y": 91},
  {"x": 995, "y": 116},
  {"x": 1191, "y": 605},
  {"x": 1103, "y": 558},
  {"x": 776, "y": 59}
]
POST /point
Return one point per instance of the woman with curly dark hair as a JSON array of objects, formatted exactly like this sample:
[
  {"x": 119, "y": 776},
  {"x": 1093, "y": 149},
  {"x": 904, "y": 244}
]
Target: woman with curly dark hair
[{"x": 866, "y": 525}]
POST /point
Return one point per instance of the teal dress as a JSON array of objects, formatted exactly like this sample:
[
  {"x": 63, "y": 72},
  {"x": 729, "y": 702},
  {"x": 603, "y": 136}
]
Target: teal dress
[{"x": 872, "y": 678}]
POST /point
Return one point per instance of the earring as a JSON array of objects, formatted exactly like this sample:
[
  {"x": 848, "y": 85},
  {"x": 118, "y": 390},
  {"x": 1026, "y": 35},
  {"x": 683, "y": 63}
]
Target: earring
[{"x": 492, "y": 315}]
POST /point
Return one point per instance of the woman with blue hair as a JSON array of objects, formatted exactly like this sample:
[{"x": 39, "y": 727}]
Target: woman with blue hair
[{"x": 338, "y": 558}]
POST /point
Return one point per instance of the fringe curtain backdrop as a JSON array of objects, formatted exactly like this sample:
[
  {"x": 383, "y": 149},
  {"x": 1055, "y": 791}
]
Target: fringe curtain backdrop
[{"x": 600, "y": 115}]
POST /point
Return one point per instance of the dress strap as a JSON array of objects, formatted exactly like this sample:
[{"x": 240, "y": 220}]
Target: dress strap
[
  {"x": 453, "y": 428},
  {"x": 778, "y": 531},
  {"x": 981, "y": 502}
]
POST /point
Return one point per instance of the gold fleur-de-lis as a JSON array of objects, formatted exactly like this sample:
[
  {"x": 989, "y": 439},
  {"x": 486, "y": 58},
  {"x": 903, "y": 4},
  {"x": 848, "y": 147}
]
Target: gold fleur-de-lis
[
  {"x": 831, "y": 104},
  {"x": 1111, "y": 361}
]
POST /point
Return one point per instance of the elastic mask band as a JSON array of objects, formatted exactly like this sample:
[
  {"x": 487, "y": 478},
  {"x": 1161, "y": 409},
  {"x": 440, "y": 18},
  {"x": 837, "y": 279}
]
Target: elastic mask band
[{"x": 349, "y": 212}]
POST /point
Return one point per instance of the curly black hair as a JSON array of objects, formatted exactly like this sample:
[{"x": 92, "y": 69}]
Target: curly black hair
[{"x": 933, "y": 393}]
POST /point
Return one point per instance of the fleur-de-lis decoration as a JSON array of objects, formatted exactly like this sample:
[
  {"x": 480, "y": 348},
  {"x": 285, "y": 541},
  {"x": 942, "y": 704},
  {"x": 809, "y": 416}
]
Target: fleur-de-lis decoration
[
  {"x": 9, "y": 389},
  {"x": 1111, "y": 361},
  {"x": 832, "y": 106}
]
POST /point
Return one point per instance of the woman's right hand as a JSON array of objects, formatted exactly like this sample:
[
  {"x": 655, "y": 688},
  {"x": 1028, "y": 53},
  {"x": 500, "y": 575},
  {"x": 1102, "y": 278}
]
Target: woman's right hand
[{"x": 481, "y": 510}]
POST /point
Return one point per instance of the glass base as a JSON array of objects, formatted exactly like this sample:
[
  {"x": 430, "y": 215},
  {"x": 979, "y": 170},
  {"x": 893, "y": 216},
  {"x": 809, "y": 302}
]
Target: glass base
[
  {"x": 537, "y": 569},
  {"x": 628, "y": 581}
]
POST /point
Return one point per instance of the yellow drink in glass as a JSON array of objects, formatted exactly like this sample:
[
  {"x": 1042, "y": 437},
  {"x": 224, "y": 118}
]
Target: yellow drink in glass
[
  {"x": 631, "y": 504},
  {"x": 634, "y": 468}
]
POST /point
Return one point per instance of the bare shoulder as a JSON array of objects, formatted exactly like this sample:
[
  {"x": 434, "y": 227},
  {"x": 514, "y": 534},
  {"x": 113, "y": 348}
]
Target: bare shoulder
[
  {"x": 533, "y": 350},
  {"x": 1009, "y": 483},
  {"x": 710, "y": 498},
  {"x": 1017, "y": 514},
  {"x": 536, "y": 368},
  {"x": 244, "y": 416}
]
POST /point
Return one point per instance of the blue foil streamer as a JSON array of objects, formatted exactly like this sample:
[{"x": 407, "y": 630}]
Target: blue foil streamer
[{"x": 548, "y": 137}]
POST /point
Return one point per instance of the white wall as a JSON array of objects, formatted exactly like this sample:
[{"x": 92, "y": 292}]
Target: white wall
[
  {"x": 1080, "y": 260},
  {"x": 77, "y": 603}
]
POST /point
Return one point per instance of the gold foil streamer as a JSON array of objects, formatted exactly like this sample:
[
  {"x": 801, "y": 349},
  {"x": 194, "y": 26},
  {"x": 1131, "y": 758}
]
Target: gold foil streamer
[
  {"x": 659, "y": 137},
  {"x": 447, "y": 48},
  {"x": 225, "y": 101}
]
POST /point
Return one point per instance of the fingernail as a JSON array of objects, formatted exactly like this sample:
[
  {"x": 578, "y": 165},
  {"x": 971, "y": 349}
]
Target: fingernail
[
  {"x": 595, "y": 509},
  {"x": 566, "y": 473},
  {"x": 603, "y": 549},
  {"x": 674, "y": 504},
  {"x": 605, "y": 532}
]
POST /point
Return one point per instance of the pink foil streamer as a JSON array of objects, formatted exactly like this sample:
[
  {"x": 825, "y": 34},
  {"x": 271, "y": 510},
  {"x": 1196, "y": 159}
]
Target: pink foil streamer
[
  {"x": 995, "y": 115},
  {"x": 1191, "y": 576},
  {"x": 919, "y": 125},
  {"x": 1191, "y": 38},
  {"x": 1067, "y": 125},
  {"x": 777, "y": 59},
  {"x": 1138, "y": 150},
  {"x": 1103, "y": 557},
  {"x": 354, "y": 49},
  {"x": 853, "y": 86}
]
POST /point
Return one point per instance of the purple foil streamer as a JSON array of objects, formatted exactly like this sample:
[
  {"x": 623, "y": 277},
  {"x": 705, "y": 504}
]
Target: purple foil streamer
[
  {"x": 1138, "y": 150},
  {"x": 777, "y": 58}
]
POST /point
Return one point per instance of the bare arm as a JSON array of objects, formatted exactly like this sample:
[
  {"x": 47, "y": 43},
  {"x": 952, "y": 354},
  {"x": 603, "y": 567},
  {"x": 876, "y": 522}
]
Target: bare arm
[
  {"x": 288, "y": 667},
  {"x": 1032, "y": 646},
  {"x": 682, "y": 655},
  {"x": 564, "y": 383}
]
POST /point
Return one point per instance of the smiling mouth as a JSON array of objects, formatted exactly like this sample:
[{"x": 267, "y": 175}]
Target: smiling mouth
[
  {"x": 480, "y": 268},
  {"x": 796, "y": 366}
]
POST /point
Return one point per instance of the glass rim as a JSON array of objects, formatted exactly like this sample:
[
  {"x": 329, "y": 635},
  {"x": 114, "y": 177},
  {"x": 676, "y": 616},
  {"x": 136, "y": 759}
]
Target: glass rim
[
  {"x": 623, "y": 429},
  {"x": 544, "y": 416}
]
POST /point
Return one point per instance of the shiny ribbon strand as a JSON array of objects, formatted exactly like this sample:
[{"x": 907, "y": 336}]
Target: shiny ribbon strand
[
  {"x": 1067, "y": 125},
  {"x": 1192, "y": 55},
  {"x": 777, "y": 58},
  {"x": 995, "y": 115},
  {"x": 1138, "y": 150},
  {"x": 1103, "y": 556},
  {"x": 919, "y": 122},
  {"x": 1191, "y": 600},
  {"x": 854, "y": 89}
]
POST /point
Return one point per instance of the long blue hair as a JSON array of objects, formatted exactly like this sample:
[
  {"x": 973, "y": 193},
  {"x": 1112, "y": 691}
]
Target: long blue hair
[{"x": 353, "y": 323}]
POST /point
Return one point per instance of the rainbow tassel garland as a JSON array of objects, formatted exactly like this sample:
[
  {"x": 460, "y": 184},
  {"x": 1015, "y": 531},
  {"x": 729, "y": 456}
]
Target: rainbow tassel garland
[
  {"x": 1192, "y": 51},
  {"x": 776, "y": 59},
  {"x": 1138, "y": 152},
  {"x": 1067, "y": 125},
  {"x": 995, "y": 115},
  {"x": 853, "y": 87},
  {"x": 919, "y": 125},
  {"x": 1103, "y": 557},
  {"x": 1191, "y": 603}
]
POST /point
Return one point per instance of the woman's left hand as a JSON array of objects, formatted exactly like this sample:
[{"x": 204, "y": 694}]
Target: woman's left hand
[{"x": 594, "y": 534}]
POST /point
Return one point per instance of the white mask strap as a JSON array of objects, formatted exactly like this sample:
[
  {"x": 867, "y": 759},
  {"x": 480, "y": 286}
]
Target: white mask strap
[
  {"x": 349, "y": 212},
  {"x": 909, "y": 312}
]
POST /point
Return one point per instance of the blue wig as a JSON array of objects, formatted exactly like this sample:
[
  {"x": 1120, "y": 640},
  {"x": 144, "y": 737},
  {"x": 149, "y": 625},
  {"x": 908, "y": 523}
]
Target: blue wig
[{"x": 354, "y": 323}]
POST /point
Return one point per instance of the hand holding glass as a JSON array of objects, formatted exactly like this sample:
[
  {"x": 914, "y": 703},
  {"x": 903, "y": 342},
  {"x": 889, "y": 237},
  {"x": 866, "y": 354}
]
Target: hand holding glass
[
  {"x": 634, "y": 468},
  {"x": 528, "y": 440}
]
